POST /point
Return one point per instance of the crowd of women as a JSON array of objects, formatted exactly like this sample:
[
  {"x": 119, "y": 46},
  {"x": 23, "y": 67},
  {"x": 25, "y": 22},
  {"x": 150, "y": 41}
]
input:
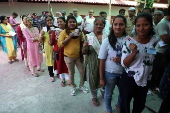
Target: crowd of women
[{"x": 104, "y": 61}]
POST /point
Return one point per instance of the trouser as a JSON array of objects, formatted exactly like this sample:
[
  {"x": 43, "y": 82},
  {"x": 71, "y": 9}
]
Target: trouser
[
  {"x": 71, "y": 62},
  {"x": 50, "y": 70},
  {"x": 111, "y": 81},
  {"x": 129, "y": 89},
  {"x": 165, "y": 106},
  {"x": 92, "y": 90},
  {"x": 158, "y": 69}
]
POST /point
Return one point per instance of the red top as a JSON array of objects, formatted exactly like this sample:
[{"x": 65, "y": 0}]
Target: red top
[{"x": 59, "y": 65}]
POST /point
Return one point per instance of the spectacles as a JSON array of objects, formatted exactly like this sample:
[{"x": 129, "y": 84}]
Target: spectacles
[
  {"x": 49, "y": 20},
  {"x": 101, "y": 25},
  {"x": 157, "y": 15}
]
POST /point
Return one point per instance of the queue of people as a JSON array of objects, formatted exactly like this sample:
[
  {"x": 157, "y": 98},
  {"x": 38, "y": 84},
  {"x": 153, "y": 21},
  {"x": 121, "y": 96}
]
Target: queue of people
[{"x": 131, "y": 53}]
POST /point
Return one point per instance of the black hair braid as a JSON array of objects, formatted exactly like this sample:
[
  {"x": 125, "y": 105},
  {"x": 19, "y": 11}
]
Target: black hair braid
[{"x": 112, "y": 40}]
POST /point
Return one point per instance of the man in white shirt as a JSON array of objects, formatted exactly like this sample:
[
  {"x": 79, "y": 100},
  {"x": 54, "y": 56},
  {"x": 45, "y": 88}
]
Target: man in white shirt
[
  {"x": 78, "y": 18},
  {"x": 88, "y": 23},
  {"x": 63, "y": 13}
]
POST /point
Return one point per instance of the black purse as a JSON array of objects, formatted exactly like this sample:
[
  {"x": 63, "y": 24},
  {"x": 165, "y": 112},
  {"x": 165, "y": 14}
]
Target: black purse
[{"x": 55, "y": 55}]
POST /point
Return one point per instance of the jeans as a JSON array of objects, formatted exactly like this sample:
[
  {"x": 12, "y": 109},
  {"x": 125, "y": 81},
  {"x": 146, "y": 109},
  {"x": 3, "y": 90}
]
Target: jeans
[{"x": 111, "y": 80}]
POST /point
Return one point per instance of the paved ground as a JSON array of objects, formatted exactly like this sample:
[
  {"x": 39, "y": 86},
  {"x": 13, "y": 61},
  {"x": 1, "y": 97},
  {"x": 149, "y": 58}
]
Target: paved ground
[{"x": 20, "y": 92}]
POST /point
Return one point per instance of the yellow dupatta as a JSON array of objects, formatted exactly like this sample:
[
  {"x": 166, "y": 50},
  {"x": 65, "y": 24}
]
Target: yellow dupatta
[{"x": 9, "y": 41}]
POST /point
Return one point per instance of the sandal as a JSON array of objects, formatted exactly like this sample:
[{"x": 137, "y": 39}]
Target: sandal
[
  {"x": 63, "y": 83},
  {"x": 10, "y": 62},
  {"x": 16, "y": 60},
  {"x": 35, "y": 74},
  {"x": 41, "y": 70},
  {"x": 52, "y": 79},
  {"x": 95, "y": 102}
]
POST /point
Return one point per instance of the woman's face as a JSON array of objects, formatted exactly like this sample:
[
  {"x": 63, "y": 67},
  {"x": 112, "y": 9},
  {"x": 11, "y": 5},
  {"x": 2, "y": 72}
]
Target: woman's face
[
  {"x": 5, "y": 21},
  {"x": 49, "y": 21},
  {"x": 29, "y": 23},
  {"x": 25, "y": 20},
  {"x": 119, "y": 26},
  {"x": 143, "y": 26},
  {"x": 61, "y": 23},
  {"x": 98, "y": 26},
  {"x": 71, "y": 23}
]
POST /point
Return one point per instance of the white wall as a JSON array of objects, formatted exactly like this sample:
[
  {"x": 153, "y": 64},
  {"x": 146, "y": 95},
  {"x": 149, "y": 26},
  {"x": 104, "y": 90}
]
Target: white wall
[{"x": 26, "y": 8}]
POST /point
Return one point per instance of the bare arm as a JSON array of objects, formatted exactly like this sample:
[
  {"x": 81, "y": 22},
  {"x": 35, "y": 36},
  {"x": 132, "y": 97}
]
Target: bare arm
[{"x": 165, "y": 39}]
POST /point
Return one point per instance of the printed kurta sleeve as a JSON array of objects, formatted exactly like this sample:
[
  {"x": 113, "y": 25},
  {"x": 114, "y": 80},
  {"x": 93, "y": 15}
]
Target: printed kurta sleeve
[
  {"x": 103, "y": 49},
  {"x": 125, "y": 52}
]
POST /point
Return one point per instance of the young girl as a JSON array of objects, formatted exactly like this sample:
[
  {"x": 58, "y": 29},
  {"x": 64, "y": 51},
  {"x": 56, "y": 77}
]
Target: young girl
[
  {"x": 59, "y": 65},
  {"x": 137, "y": 60},
  {"x": 110, "y": 58},
  {"x": 72, "y": 52},
  {"x": 45, "y": 35}
]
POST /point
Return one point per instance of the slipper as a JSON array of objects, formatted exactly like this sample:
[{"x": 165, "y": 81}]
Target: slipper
[
  {"x": 63, "y": 84},
  {"x": 10, "y": 62},
  {"x": 41, "y": 70},
  {"x": 16, "y": 60},
  {"x": 95, "y": 102},
  {"x": 35, "y": 74}
]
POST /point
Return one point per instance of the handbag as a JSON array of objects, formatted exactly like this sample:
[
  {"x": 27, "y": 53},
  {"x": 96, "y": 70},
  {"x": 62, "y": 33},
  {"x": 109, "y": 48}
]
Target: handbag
[{"x": 55, "y": 55}]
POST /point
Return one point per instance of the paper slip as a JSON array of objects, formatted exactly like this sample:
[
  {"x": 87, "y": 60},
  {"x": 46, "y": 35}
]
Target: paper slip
[
  {"x": 161, "y": 43},
  {"x": 90, "y": 40},
  {"x": 45, "y": 29},
  {"x": 151, "y": 51},
  {"x": 12, "y": 33},
  {"x": 51, "y": 28}
]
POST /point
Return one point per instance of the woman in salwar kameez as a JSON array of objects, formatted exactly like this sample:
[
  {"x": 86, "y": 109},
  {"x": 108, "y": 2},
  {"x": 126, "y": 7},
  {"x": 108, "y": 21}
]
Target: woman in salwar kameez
[
  {"x": 91, "y": 50},
  {"x": 35, "y": 58},
  {"x": 7, "y": 40}
]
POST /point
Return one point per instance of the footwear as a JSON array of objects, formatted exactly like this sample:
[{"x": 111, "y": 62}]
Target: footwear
[
  {"x": 63, "y": 83},
  {"x": 116, "y": 109},
  {"x": 16, "y": 60},
  {"x": 10, "y": 62},
  {"x": 41, "y": 70},
  {"x": 73, "y": 91},
  {"x": 95, "y": 102},
  {"x": 52, "y": 79},
  {"x": 84, "y": 89},
  {"x": 58, "y": 76},
  {"x": 35, "y": 74}
]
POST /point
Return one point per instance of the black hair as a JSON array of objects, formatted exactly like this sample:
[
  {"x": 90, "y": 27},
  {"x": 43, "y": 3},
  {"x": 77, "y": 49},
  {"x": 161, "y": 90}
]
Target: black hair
[
  {"x": 46, "y": 12},
  {"x": 15, "y": 14},
  {"x": 102, "y": 12},
  {"x": 122, "y": 10},
  {"x": 150, "y": 10},
  {"x": 2, "y": 18},
  {"x": 61, "y": 17},
  {"x": 67, "y": 28},
  {"x": 22, "y": 17},
  {"x": 147, "y": 17},
  {"x": 168, "y": 11},
  {"x": 112, "y": 38},
  {"x": 100, "y": 18},
  {"x": 48, "y": 27}
]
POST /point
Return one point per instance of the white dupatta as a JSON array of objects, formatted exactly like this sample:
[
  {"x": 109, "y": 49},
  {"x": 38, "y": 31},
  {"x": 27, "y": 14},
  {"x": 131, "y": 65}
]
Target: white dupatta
[{"x": 96, "y": 45}]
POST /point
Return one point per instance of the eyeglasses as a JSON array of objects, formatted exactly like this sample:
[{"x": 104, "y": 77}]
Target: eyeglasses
[
  {"x": 49, "y": 20},
  {"x": 101, "y": 25},
  {"x": 157, "y": 15}
]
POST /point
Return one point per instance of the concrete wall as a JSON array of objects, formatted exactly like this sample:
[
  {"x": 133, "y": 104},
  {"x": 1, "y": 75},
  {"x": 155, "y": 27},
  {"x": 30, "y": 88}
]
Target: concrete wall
[{"x": 26, "y": 8}]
